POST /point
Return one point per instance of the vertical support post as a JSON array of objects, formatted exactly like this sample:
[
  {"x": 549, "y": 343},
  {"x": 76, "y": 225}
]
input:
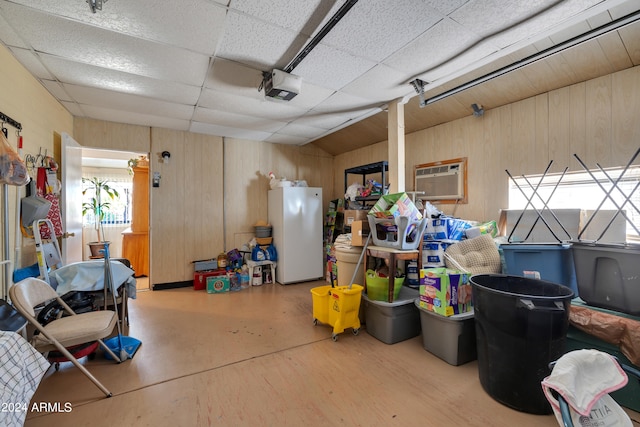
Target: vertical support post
[{"x": 396, "y": 146}]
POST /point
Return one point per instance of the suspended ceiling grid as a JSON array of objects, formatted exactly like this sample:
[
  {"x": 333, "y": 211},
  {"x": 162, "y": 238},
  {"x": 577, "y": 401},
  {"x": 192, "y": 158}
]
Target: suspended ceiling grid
[{"x": 196, "y": 65}]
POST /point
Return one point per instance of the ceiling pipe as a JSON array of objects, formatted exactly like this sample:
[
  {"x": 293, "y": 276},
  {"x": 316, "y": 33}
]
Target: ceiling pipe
[
  {"x": 589, "y": 35},
  {"x": 320, "y": 35}
]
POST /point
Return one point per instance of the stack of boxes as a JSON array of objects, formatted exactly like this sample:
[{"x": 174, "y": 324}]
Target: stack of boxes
[
  {"x": 208, "y": 276},
  {"x": 395, "y": 223}
]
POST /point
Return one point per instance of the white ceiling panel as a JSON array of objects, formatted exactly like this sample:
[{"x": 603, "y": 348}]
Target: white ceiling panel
[
  {"x": 8, "y": 35},
  {"x": 308, "y": 132},
  {"x": 346, "y": 105},
  {"x": 73, "y": 108},
  {"x": 239, "y": 121},
  {"x": 332, "y": 68},
  {"x": 369, "y": 85},
  {"x": 256, "y": 43},
  {"x": 292, "y": 15},
  {"x": 439, "y": 44},
  {"x": 91, "y": 45},
  {"x": 128, "y": 117},
  {"x": 32, "y": 63},
  {"x": 322, "y": 120},
  {"x": 460, "y": 64},
  {"x": 278, "y": 138},
  {"x": 229, "y": 132},
  {"x": 233, "y": 77},
  {"x": 403, "y": 20},
  {"x": 173, "y": 24},
  {"x": 125, "y": 102},
  {"x": 104, "y": 78},
  {"x": 254, "y": 107},
  {"x": 56, "y": 89},
  {"x": 198, "y": 64}
]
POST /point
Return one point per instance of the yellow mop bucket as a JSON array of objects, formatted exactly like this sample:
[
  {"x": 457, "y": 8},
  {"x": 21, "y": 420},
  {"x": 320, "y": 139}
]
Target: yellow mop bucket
[{"x": 337, "y": 306}]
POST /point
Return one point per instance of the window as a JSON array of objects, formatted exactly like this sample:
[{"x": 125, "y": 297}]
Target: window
[
  {"x": 583, "y": 190},
  {"x": 120, "y": 209}
]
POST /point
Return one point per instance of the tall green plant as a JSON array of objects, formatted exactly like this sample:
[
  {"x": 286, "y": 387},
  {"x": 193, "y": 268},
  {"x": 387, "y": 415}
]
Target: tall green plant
[{"x": 100, "y": 203}]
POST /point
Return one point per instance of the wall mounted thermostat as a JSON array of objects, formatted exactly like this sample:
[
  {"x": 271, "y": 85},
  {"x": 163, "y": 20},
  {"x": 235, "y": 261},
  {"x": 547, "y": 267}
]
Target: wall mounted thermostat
[{"x": 156, "y": 179}]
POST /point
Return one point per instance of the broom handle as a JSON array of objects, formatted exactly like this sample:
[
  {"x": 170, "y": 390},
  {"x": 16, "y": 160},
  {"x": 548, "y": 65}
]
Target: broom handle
[{"x": 359, "y": 261}]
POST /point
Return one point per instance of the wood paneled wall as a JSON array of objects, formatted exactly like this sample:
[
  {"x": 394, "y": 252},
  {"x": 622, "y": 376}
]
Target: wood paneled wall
[
  {"x": 247, "y": 166},
  {"x": 596, "y": 119},
  {"x": 43, "y": 121},
  {"x": 211, "y": 192}
]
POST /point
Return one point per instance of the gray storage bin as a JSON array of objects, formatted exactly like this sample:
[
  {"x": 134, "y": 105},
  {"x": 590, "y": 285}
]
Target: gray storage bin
[
  {"x": 452, "y": 339},
  {"x": 608, "y": 276},
  {"x": 392, "y": 322}
]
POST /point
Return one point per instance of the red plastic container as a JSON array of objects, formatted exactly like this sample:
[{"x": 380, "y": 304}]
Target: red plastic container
[{"x": 200, "y": 278}]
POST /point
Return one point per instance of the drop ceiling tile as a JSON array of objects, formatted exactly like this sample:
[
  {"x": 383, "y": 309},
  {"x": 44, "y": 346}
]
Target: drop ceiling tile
[
  {"x": 359, "y": 31},
  {"x": 103, "y": 78},
  {"x": 257, "y": 106},
  {"x": 277, "y": 138},
  {"x": 175, "y": 23},
  {"x": 228, "y": 132},
  {"x": 479, "y": 16},
  {"x": 440, "y": 44},
  {"x": 545, "y": 23},
  {"x": 99, "y": 47},
  {"x": 445, "y": 6},
  {"x": 233, "y": 77},
  {"x": 290, "y": 14},
  {"x": 332, "y": 68},
  {"x": 460, "y": 64},
  {"x": 346, "y": 105},
  {"x": 73, "y": 108},
  {"x": 256, "y": 43},
  {"x": 302, "y": 131},
  {"x": 322, "y": 120},
  {"x": 56, "y": 90},
  {"x": 240, "y": 121},
  {"x": 310, "y": 95},
  {"x": 380, "y": 84},
  {"x": 119, "y": 116},
  {"x": 32, "y": 63},
  {"x": 128, "y": 103},
  {"x": 8, "y": 34}
]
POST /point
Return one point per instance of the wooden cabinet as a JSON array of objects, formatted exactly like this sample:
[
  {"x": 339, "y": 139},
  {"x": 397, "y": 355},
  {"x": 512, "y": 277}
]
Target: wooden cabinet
[{"x": 135, "y": 240}]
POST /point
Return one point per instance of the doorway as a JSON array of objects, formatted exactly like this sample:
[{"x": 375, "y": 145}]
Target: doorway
[{"x": 125, "y": 223}]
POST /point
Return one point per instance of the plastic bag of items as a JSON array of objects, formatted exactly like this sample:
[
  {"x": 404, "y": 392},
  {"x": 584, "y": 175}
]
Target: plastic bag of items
[{"x": 13, "y": 170}]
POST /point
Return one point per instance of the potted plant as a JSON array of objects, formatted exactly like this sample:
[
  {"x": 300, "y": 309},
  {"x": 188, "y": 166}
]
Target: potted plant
[{"x": 98, "y": 205}]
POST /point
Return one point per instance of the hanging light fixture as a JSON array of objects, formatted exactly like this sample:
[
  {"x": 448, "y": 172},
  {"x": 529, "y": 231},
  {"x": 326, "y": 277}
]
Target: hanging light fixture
[{"x": 95, "y": 5}]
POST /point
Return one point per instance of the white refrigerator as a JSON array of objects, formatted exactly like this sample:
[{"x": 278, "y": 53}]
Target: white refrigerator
[{"x": 295, "y": 214}]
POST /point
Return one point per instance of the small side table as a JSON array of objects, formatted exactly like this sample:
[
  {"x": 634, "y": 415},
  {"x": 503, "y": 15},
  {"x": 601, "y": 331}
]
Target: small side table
[
  {"x": 392, "y": 255},
  {"x": 251, "y": 264}
]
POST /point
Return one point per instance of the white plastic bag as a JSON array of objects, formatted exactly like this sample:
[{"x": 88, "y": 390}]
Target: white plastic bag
[{"x": 13, "y": 170}]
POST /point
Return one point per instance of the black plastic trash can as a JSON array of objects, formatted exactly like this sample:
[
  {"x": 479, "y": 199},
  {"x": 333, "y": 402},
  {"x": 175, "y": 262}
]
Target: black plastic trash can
[{"x": 521, "y": 326}]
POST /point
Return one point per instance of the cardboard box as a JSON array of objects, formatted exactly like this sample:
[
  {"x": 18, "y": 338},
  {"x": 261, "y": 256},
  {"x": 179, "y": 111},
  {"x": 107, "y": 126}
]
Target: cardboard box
[
  {"x": 218, "y": 284},
  {"x": 393, "y": 205},
  {"x": 443, "y": 291},
  {"x": 359, "y": 232},
  {"x": 351, "y": 215},
  {"x": 200, "y": 278}
]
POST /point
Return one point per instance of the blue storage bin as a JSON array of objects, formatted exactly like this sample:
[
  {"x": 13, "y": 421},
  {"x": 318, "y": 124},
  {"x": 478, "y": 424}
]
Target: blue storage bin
[{"x": 553, "y": 262}]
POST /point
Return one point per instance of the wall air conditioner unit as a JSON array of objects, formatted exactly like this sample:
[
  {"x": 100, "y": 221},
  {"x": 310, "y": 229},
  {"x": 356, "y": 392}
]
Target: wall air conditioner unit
[
  {"x": 444, "y": 182},
  {"x": 282, "y": 85}
]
